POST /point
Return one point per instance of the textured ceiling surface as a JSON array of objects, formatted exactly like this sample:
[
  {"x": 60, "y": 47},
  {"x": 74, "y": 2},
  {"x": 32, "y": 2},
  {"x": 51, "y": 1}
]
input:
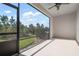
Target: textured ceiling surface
[{"x": 64, "y": 8}]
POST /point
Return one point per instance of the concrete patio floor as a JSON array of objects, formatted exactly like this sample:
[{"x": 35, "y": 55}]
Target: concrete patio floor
[
  {"x": 58, "y": 47},
  {"x": 36, "y": 48}
]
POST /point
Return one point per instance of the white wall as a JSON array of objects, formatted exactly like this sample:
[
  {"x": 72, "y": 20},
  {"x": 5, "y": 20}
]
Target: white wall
[
  {"x": 77, "y": 26},
  {"x": 65, "y": 26}
]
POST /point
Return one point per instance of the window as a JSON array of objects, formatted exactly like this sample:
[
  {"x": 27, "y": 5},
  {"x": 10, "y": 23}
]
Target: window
[{"x": 34, "y": 26}]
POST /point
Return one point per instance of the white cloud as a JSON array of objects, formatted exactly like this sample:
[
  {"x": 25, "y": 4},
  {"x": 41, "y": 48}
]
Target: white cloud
[
  {"x": 8, "y": 11},
  {"x": 29, "y": 19},
  {"x": 37, "y": 13},
  {"x": 9, "y": 17},
  {"x": 30, "y": 14}
]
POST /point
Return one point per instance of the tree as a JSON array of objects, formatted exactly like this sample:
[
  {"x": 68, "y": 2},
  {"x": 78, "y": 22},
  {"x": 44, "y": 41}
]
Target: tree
[
  {"x": 47, "y": 30},
  {"x": 31, "y": 29},
  {"x": 0, "y": 24},
  {"x": 12, "y": 24},
  {"x": 41, "y": 31},
  {"x": 7, "y": 25},
  {"x": 38, "y": 30},
  {"x": 22, "y": 30},
  {"x": 4, "y": 25},
  {"x": 42, "y": 34},
  {"x": 26, "y": 29},
  {"x": 21, "y": 27},
  {"x": 12, "y": 21},
  {"x": 4, "y": 21}
]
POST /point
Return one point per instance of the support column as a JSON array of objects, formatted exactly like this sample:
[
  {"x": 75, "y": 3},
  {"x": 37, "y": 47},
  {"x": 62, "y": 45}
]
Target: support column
[{"x": 51, "y": 27}]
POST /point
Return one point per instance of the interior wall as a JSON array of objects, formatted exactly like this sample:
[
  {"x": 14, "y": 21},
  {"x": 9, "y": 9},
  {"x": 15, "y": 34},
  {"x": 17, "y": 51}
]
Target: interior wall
[{"x": 65, "y": 26}]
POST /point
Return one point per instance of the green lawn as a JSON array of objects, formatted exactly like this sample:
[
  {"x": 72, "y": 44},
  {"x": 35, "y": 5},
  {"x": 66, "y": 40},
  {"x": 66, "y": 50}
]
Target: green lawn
[{"x": 26, "y": 42}]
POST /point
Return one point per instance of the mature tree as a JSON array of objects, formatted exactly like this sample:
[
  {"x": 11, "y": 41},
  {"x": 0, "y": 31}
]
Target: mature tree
[
  {"x": 23, "y": 30},
  {"x": 42, "y": 34},
  {"x": 31, "y": 29},
  {"x": 41, "y": 31},
  {"x": 4, "y": 20},
  {"x": 7, "y": 25},
  {"x": 38, "y": 30},
  {"x": 0, "y": 24},
  {"x": 26, "y": 29},
  {"x": 12, "y": 21},
  {"x": 47, "y": 30},
  {"x": 21, "y": 27},
  {"x": 4, "y": 25},
  {"x": 12, "y": 24}
]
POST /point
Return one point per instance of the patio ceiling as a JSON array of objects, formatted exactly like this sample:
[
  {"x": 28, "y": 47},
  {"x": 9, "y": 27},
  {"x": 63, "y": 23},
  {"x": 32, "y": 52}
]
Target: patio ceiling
[{"x": 64, "y": 9}]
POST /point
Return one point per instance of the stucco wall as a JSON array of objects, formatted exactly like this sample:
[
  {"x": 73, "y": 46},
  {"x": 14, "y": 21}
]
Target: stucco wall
[{"x": 65, "y": 26}]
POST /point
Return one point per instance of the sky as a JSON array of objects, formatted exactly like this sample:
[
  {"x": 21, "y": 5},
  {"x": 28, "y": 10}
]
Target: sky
[
  {"x": 6, "y": 10},
  {"x": 28, "y": 14}
]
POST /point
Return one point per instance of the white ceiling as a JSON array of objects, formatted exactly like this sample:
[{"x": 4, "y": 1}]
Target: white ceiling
[{"x": 64, "y": 9}]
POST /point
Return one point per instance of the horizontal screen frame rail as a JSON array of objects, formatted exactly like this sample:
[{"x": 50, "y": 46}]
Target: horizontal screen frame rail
[{"x": 8, "y": 33}]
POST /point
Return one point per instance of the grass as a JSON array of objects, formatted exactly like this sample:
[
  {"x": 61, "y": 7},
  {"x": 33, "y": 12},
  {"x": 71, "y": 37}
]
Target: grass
[{"x": 26, "y": 42}]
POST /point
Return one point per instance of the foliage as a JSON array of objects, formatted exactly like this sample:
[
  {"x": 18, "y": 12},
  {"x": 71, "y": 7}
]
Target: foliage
[
  {"x": 31, "y": 29},
  {"x": 9, "y": 25},
  {"x": 6, "y": 24}
]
